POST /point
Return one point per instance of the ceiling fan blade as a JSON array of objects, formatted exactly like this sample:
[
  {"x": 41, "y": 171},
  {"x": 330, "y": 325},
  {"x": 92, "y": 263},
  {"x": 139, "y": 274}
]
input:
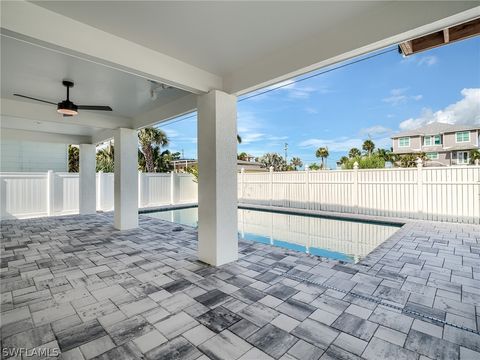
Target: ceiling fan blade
[
  {"x": 31, "y": 98},
  {"x": 94, "y": 107}
]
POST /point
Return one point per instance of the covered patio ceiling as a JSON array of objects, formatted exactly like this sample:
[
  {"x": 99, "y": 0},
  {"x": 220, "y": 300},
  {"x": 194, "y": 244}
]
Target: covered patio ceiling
[{"x": 111, "y": 49}]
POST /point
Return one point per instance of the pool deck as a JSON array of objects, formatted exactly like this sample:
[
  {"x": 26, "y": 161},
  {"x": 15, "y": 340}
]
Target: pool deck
[{"x": 76, "y": 283}]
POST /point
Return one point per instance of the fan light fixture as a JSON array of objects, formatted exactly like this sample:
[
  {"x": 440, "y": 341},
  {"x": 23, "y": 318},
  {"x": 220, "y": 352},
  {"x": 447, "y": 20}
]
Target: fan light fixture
[{"x": 67, "y": 108}]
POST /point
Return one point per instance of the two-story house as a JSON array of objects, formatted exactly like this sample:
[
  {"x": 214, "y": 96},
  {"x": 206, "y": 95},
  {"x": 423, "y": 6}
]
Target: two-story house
[{"x": 443, "y": 144}]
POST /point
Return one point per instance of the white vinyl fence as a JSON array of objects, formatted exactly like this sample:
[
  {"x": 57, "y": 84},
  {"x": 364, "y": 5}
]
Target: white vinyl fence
[
  {"x": 440, "y": 193},
  {"x": 26, "y": 195},
  {"x": 445, "y": 194}
]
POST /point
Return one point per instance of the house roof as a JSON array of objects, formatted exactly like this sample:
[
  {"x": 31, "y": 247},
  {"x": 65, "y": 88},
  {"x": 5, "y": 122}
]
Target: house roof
[{"x": 435, "y": 129}]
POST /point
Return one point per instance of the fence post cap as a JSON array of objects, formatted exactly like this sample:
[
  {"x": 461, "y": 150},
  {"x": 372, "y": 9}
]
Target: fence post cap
[
  {"x": 355, "y": 165},
  {"x": 477, "y": 162},
  {"x": 242, "y": 170},
  {"x": 419, "y": 162},
  {"x": 271, "y": 168}
]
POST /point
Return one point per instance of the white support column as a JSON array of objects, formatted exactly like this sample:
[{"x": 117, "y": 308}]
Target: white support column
[
  {"x": 87, "y": 183},
  {"x": 126, "y": 179},
  {"x": 217, "y": 179}
]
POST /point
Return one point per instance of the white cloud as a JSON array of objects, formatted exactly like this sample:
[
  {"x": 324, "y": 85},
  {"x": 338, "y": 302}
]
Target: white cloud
[
  {"x": 419, "y": 60},
  {"x": 293, "y": 89},
  {"x": 427, "y": 60},
  {"x": 252, "y": 129},
  {"x": 311, "y": 110},
  {"x": 339, "y": 144},
  {"x": 375, "y": 130},
  {"x": 399, "y": 96},
  {"x": 464, "y": 111},
  {"x": 344, "y": 143}
]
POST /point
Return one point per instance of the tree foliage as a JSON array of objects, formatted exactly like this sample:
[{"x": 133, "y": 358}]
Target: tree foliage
[
  {"x": 368, "y": 146},
  {"x": 275, "y": 160},
  {"x": 354, "y": 152},
  {"x": 150, "y": 139},
  {"x": 365, "y": 162},
  {"x": 322, "y": 153},
  {"x": 296, "y": 163},
  {"x": 73, "y": 158},
  {"x": 474, "y": 155},
  {"x": 314, "y": 166},
  {"x": 105, "y": 159}
]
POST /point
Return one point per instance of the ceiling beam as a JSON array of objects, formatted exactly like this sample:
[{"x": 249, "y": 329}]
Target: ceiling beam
[
  {"x": 40, "y": 136},
  {"x": 41, "y": 112},
  {"x": 441, "y": 37},
  {"x": 388, "y": 23},
  {"x": 178, "y": 107},
  {"x": 29, "y": 22}
]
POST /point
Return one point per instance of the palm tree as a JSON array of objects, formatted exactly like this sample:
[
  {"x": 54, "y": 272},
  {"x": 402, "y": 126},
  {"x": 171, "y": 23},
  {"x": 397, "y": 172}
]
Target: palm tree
[
  {"x": 313, "y": 166},
  {"x": 73, "y": 158},
  {"x": 368, "y": 146},
  {"x": 296, "y": 162},
  {"x": 150, "y": 138},
  {"x": 474, "y": 155},
  {"x": 322, "y": 153},
  {"x": 354, "y": 152},
  {"x": 105, "y": 159},
  {"x": 343, "y": 160}
]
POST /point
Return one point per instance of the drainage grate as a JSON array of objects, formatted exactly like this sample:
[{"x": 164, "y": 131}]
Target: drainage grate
[{"x": 380, "y": 302}]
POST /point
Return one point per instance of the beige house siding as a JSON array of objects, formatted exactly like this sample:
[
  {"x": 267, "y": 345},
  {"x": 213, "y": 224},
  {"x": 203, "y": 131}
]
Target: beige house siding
[
  {"x": 415, "y": 144},
  {"x": 449, "y": 139},
  {"x": 447, "y": 151}
]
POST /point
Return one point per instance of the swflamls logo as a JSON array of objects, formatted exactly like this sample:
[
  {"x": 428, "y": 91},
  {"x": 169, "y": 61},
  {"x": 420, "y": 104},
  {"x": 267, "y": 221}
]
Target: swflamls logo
[{"x": 39, "y": 351}]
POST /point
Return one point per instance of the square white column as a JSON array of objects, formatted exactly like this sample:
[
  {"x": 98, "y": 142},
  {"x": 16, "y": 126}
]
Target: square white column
[
  {"x": 87, "y": 183},
  {"x": 126, "y": 179},
  {"x": 217, "y": 178}
]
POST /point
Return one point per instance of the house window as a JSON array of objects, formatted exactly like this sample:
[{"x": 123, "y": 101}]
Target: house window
[
  {"x": 462, "y": 136},
  {"x": 432, "y": 140},
  {"x": 404, "y": 142},
  {"x": 432, "y": 155},
  {"x": 463, "y": 158}
]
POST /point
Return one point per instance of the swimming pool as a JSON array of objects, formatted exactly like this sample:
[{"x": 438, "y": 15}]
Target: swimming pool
[{"x": 337, "y": 239}]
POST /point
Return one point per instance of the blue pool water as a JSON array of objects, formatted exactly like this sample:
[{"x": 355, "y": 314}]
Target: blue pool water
[{"x": 344, "y": 240}]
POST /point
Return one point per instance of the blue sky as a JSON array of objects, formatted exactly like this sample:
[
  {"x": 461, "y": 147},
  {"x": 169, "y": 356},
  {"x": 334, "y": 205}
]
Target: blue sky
[{"x": 369, "y": 99}]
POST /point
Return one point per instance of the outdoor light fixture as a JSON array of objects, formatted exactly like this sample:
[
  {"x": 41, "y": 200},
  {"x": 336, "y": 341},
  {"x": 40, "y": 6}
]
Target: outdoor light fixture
[{"x": 67, "y": 108}]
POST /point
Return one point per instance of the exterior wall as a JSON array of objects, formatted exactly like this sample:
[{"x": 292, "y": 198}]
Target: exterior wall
[
  {"x": 415, "y": 144},
  {"x": 28, "y": 156},
  {"x": 449, "y": 140},
  {"x": 443, "y": 158}
]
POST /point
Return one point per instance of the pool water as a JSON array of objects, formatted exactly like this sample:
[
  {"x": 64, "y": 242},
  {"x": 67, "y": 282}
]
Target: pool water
[{"x": 340, "y": 239}]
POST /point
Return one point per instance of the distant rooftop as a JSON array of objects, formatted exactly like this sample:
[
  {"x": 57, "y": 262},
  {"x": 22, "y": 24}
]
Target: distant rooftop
[{"x": 435, "y": 129}]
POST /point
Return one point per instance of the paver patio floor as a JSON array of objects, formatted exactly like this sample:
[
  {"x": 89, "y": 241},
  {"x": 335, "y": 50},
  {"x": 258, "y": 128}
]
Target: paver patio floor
[{"x": 78, "y": 284}]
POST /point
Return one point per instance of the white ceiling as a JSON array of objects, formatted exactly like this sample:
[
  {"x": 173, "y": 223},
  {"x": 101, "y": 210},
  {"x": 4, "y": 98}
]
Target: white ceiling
[
  {"x": 213, "y": 36},
  {"x": 38, "y": 72}
]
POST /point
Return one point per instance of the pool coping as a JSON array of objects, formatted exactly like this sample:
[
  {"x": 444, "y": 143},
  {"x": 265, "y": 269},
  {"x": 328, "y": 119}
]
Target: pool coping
[{"x": 380, "y": 220}]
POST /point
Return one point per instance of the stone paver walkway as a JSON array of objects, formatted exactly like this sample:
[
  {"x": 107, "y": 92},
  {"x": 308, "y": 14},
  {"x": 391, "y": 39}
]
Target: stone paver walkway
[{"x": 77, "y": 284}]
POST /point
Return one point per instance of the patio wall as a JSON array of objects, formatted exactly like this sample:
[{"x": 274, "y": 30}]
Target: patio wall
[
  {"x": 446, "y": 193},
  {"x": 26, "y": 195},
  {"x": 429, "y": 193}
]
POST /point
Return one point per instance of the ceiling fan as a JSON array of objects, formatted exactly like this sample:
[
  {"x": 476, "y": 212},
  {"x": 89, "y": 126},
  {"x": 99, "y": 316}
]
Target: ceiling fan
[{"x": 66, "y": 107}]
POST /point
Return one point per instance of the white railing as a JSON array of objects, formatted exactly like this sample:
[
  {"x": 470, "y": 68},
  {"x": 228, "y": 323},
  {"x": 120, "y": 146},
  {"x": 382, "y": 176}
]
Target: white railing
[
  {"x": 445, "y": 194},
  {"x": 26, "y": 195},
  {"x": 440, "y": 193}
]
